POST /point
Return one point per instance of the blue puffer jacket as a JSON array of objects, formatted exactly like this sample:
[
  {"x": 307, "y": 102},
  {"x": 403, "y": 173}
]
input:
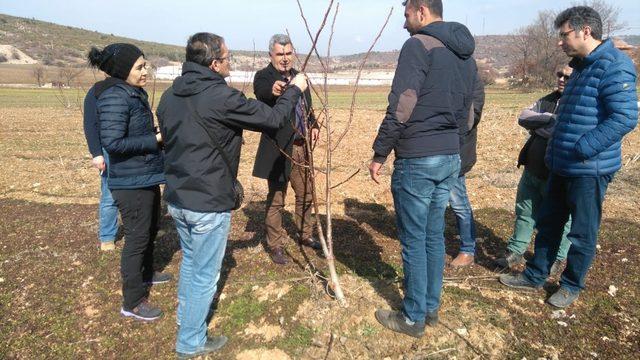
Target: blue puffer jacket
[
  {"x": 126, "y": 132},
  {"x": 598, "y": 107}
]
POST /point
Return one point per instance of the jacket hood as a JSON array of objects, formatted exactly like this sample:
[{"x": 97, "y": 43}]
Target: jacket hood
[
  {"x": 455, "y": 36},
  {"x": 195, "y": 79}
]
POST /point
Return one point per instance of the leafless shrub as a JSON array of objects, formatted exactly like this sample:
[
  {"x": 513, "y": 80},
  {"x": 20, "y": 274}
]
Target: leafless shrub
[
  {"x": 488, "y": 74},
  {"x": 535, "y": 53}
]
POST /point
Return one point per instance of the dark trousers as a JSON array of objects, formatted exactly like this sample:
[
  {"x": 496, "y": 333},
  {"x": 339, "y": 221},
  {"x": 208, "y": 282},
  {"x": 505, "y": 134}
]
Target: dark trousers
[
  {"x": 580, "y": 197},
  {"x": 140, "y": 210}
]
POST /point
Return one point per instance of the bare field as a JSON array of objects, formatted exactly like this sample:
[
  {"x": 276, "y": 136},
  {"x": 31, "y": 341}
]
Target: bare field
[{"x": 60, "y": 296}]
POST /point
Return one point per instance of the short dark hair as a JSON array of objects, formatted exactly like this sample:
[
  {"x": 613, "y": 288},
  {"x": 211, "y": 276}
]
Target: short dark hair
[
  {"x": 435, "y": 6},
  {"x": 203, "y": 48},
  {"x": 580, "y": 17}
]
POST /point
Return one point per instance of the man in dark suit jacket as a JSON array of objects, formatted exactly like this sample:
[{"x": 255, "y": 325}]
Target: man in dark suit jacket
[{"x": 281, "y": 156}]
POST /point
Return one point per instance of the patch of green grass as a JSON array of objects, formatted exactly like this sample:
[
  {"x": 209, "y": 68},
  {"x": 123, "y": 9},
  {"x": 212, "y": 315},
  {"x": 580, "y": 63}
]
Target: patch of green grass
[
  {"x": 39, "y": 98},
  {"x": 369, "y": 330},
  {"x": 296, "y": 339},
  {"x": 292, "y": 300},
  {"x": 240, "y": 312}
]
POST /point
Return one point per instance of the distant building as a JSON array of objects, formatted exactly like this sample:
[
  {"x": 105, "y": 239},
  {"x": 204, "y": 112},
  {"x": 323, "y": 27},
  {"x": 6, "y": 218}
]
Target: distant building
[{"x": 371, "y": 78}]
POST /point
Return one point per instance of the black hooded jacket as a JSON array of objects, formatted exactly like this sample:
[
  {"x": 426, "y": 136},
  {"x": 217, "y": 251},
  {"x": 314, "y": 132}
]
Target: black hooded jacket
[
  {"x": 432, "y": 94},
  {"x": 198, "y": 178}
]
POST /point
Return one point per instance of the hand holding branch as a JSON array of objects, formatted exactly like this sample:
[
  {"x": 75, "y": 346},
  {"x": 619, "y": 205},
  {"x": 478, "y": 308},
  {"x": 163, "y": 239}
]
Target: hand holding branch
[
  {"x": 278, "y": 88},
  {"x": 300, "y": 81}
]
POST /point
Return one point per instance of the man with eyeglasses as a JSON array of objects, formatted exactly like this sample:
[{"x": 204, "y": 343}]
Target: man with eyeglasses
[
  {"x": 539, "y": 120},
  {"x": 597, "y": 109},
  {"x": 202, "y": 120},
  {"x": 282, "y": 157}
]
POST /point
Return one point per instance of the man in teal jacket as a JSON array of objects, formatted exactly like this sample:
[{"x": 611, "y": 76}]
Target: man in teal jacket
[{"x": 597, "y": 109}]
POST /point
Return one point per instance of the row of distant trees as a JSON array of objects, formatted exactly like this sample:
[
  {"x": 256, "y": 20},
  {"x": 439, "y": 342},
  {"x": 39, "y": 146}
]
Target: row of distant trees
[
  {"x": 65, "y": 75},
  {"x": 534, "y": 50}
]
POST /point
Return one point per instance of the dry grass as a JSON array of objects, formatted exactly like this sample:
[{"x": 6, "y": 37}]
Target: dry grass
[{"x": 59, "y": 296}]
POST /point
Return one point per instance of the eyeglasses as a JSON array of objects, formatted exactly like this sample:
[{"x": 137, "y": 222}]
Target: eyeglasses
[
  {"x": 562, "y": 75},
  {"x": 563, "y": 35},
  {"x": 228, "y": 58}
]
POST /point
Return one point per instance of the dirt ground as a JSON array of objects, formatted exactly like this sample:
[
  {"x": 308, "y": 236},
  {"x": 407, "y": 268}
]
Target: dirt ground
[{"x": 60, "y": 296}]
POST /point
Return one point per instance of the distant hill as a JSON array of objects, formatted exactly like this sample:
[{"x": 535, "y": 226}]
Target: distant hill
[
  {"x": 631, "y": 39},
  {"x": 59, "y": 45}
]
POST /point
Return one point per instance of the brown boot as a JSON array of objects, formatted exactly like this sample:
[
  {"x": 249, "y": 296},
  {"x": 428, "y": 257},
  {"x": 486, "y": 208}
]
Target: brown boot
[
  {"x": 278, "y": 257},
  {"x": 462, "y": 260}
]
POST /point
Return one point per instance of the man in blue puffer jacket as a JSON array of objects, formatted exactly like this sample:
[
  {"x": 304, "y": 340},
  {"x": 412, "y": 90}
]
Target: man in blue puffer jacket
[{"x": 598, "y": 107}]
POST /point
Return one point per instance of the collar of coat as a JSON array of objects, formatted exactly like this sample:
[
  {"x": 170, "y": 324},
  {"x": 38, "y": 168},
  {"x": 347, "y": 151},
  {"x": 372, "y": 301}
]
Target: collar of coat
[
  {"x": 597, "y": 53},
  {"x": 275, "y": 73},
  {"x": 102, "y": 86}
]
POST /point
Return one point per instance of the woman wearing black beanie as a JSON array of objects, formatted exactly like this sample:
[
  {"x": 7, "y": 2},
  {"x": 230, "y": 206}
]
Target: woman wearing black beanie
[{"x": 136, "y": 168}]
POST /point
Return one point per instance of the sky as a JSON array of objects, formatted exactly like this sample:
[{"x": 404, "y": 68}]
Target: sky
[{"x": 249, "y": 22}]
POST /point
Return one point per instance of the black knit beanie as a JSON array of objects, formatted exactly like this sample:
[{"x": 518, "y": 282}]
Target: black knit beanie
[{"x": 116, "y": 59}]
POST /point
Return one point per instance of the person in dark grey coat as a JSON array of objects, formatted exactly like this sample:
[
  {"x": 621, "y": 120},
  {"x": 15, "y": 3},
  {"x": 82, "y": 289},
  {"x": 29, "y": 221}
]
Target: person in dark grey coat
[
  {"x": 458, "y": 197},
  {"x": 202, "y": 120},
  {"x": 282, "y": 154},
  {"x": 431, "y": 97}
]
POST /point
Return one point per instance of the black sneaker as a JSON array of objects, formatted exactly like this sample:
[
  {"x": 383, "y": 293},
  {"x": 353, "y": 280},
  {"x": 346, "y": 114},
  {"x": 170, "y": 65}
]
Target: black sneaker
[
  {"x": 159, "y": 278},
  {"x": 311, "y": 242},
  {"x": 144, "y": 311},
  {"x": 510, "y": 260},
  {"x": 432, "y": 318},
  {"x": 518, "y": 281},
  {"x": 396, "y": 321},
  {"x": 213, "y": 343}
]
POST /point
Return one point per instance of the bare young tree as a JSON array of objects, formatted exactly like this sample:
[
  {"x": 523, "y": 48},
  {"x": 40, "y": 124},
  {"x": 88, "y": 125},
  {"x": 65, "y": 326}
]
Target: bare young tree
[
  {"x": 325, "y": 232},
  {"x": 39, "y": 73},
  {"x": 68, "y": 74},
  {"x": 610, "y": 15}
]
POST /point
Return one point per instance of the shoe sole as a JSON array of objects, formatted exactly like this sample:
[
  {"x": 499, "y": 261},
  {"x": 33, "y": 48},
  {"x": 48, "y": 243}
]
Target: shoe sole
[
  {"x": 126, "y": 313},
  {"x": 526, "y": 288},
  {"x": 156, "y": 282}
]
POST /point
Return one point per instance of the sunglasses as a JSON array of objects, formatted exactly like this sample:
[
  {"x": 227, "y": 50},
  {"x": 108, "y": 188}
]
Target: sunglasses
[{"x": 563, "y": 76}]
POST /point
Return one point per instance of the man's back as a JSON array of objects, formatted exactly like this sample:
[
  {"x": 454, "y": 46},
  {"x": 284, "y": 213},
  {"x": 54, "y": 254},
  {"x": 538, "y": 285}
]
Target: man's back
[{"x": 431, "y": 95}]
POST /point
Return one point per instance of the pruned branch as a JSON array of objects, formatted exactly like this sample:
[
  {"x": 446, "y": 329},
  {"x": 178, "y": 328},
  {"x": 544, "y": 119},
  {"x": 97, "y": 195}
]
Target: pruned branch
[
  {"x": 355, "y": 91},
  {"x": 314, "y": 39}
]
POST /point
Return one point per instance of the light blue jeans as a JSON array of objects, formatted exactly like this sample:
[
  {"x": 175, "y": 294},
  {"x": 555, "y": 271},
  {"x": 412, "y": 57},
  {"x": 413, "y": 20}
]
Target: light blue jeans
[
  {"x": 203, "y": 238},
  {"x": 107, "y": 209},
  {"x": 420, "y": 189},
  {"x": 459, "y": 201}
]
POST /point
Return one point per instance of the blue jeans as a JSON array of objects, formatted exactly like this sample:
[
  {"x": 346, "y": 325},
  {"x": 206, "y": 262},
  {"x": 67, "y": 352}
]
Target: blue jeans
[
  {"x": 203, "y": 239},
  {"x": 461, "y": 206},
  {"x": 107, "y": 209},
  {"x": 420, "y": 188},
  {"x": 578, "y": 197}
]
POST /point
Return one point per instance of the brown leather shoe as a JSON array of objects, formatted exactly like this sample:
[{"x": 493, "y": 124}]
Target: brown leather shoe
[
  {"x": 278, "y": 257},
  {"x": 312, "y": 243},
  {"x": 462, "y": 260}
]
